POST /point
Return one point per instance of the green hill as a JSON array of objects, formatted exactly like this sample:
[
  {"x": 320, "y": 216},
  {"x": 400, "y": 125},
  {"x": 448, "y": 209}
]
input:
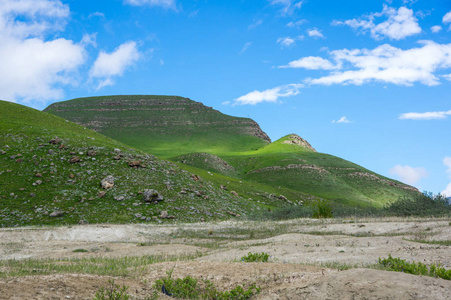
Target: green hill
[
  {"x": 192, "y": 134},
  {"x": 51, "y": 172},
  {"x": 163, "y": 125}
]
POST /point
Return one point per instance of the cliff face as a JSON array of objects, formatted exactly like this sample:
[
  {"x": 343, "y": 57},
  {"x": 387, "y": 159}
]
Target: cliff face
[{"x": 156, "y": 116}]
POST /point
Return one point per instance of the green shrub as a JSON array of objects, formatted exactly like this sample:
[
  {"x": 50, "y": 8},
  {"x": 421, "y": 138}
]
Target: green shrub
[
  {"x": 400, "y": 265},
  {"x": 191, "y": 288},
  {"x": 112, "y": 292},
  {"x": 425, "y": 204},
  {"x": 323, "y": 210},
  {"x": 255, "y": 257}
]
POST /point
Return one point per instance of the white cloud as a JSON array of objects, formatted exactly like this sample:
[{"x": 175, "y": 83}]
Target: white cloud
[
  {"x": 447, "y": 163},
  {"x": 447, "y": 77},
  {"x": 288, "y": 6},
  {"x": 447, "y": 17},
  {"x": 315, "y": 33},
  {"x": 289, "y": 41},
  {"x": 436, "y": 28},
  {"x": 311, "y": 63},
  {"x": 255, "y": 24},
  {"x": 35, "y": 67},
  {"x": 170, "y": 4},
  {"x": 342, "y": 120},
  {"x": 270, "y": 95},
  {"x": 97, "y": 14},
  {"x": 89, "y": 39},
  {"x": 115, "y": 63},
  {"x": 434, "y": 115},
  {"x": 408, "y": 174},
  {"x": 296, "y": 24},
  {"x": 389, "y": 64},
  {"x": 400, "y": 24},
  {"x": 245, "y": 47}
]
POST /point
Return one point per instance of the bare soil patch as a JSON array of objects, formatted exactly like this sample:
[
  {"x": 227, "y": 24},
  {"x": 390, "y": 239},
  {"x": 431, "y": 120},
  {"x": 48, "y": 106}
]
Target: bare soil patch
[{"x": 306, "y": 257}]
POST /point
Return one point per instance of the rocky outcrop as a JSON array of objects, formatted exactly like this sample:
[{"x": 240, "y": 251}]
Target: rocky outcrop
[{"x": 294, "y": 139}]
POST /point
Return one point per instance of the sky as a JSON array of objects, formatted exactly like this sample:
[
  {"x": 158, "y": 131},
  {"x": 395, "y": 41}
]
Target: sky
[{"x": 368, "y": 81}]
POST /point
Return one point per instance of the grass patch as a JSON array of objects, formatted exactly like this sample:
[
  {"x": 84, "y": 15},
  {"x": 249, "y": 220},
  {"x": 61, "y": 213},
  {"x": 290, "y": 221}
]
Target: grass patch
[
  {"x": 255, "y": 257},
  {"x": 191, "y": 288},
  {"x": 443, "y": 243},
  {"x": 112, "y": 292},
  {"x": 415, "y": 268},
  {"x": 124, "y": 266},
  {"x": 80, "y": 250}
]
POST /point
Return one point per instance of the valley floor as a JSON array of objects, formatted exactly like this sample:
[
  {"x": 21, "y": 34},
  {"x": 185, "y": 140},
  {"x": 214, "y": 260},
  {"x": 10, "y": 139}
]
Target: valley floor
[{"x": 309, "y": 259}]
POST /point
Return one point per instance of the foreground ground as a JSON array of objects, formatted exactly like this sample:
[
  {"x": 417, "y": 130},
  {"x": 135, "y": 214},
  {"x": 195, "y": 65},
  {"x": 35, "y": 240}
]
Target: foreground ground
[{"x": 309, "y": 259}]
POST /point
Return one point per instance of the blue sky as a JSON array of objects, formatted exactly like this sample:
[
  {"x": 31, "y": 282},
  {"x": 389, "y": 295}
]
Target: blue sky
[{"x": 368, "y": 81}]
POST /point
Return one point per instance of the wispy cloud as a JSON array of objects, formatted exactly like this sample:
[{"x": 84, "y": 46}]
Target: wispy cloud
[
  {"x": 408, "y": 174},
  {"x": 255, "y": 24},
  {"x": 287, "y": 6},
  {"x": 311, "y": 63},
  {"x": 342, "y": 120},
  {"x": 400, "y": 23},
  {"x": 112, "y": 64},
  {"x": 315, "y": 33},
  {"x": 168, "y": 4},
  {"x": 289, "y": 41},
  {"x": 296, "y": 24},
  {"x": 447, "y": 163},
  {"x": 433, "y": 115},
  {"x": 245, "y": 47},
  {"x": 270, "y": 95}
]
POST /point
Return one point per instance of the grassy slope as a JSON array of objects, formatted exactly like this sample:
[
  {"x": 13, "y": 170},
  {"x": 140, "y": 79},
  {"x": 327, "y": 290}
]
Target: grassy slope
[
  {"x": 330, "y": 178},
  {"x": 169, "y": 126},
  {"x": 73, "y": 188},
  {"x": 248, "y": 157}
]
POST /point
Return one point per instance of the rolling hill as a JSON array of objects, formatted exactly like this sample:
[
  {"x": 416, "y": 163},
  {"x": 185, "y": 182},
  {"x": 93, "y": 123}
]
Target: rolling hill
[
  {"x": 51, "y": 172},
  {"x": 190, "y": 133}
]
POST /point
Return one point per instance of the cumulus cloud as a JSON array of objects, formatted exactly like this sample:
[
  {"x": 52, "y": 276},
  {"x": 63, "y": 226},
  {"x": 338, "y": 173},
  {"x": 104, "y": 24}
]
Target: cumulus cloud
[
  {"x": 447, "y": 17},
  {"x": 436, "y": 28},
  {"x": 342, "y": 120},
  {"x": 389, "y": 64},
  {"x": 433, "y": 115},
  {"x": 270, "y": 95},
  {"x": 35, "y": 66},
  {"x": 408, "y": 174},
  {"x": 311, "y": 63},
  {"x": 315, "y": 33},
  {"x": 115, "y": 63},
  {"x": 400, "y": 23},
  {"x": 288, "y": 6},
  {"x": 169, "y": 4}
]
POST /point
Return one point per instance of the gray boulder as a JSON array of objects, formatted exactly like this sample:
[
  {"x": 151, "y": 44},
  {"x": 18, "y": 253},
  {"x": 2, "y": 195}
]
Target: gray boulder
[{"x": 152, "y": 196}]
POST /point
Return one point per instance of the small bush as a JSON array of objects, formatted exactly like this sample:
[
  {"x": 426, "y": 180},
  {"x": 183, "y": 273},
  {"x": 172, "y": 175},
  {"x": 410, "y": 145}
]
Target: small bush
[
  {"x": 191, "y": 288},
  {"x": 112, "y": 292},
  {"x": 80, "y": 250},
  {"x": 255, "y": 257},
  {"x": 400, "y": 265},
  {"x": 323, "y": 210}
]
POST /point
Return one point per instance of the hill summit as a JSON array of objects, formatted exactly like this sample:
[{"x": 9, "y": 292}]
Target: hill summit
[{"x": 163, "y": 125}]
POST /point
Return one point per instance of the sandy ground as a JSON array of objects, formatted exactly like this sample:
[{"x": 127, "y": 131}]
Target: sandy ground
[{"x": 303, "y": 254}]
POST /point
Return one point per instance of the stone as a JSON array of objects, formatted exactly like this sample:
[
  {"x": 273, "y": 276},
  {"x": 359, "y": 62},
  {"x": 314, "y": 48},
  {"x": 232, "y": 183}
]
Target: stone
[
  {"x": 117, "y": 157},
  {"x": 152, "y": 196},
  {"x": 38, "y": 182},
  {"x": 234, "y": 193},
  {"x": 51, "y": 151},
  {"x": 138, "y": 215},
  {"x": 107, "y": 182},
  {"x": 164, "y": 214},
  {"x": 119, "y": 198},
  {"x": 19, "y": 160},
  {"x": 282, "y": 197},
  {"x": 101, "y": 194},
  {"x": 117, "y": 150},
  {"x": 83, "y": 222},
  {"x": 74, "y": 159},
  {"x": 223, "y": 187},
  {"x": 55, "y": 141},
  {"x": 56, "y": 214},
  {"x": 91, "y": 153},
  {"x": 134, "y": 163}
]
